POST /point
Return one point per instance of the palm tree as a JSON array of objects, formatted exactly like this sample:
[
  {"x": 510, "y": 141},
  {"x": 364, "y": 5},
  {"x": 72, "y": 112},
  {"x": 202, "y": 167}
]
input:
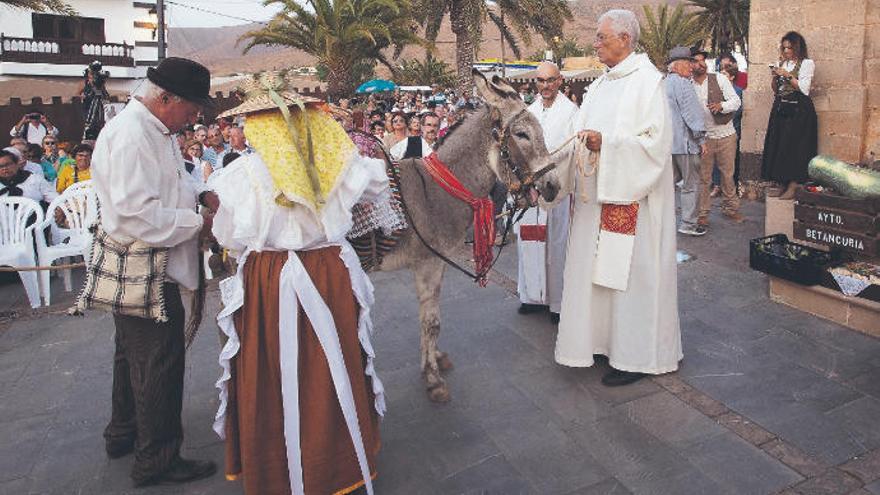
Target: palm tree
[
  {"x": 564, "y": 48},
  {"x": 58, "y": 6},
  {"x": 511, "y": 17},
  {"x": 726, "y": 21},
  {"x": 432, "y": 71},
  {"x": 341, "y": 34},
  {"x": 665, "y": 30}
]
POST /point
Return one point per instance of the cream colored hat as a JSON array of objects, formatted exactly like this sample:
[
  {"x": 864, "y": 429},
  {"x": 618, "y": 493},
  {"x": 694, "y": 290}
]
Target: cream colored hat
[{"x": 265, "y": 91}]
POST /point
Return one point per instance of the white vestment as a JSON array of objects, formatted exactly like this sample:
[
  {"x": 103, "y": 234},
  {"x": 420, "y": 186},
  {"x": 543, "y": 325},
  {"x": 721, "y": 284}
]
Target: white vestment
[
  {"x": 541, "y": 264},
  {"x": 636, "y": 327}
]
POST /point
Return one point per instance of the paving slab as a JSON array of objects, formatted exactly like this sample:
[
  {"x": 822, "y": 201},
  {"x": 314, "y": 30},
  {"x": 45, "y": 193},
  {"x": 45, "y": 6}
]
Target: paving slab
[{"x": 767, "y": 400}]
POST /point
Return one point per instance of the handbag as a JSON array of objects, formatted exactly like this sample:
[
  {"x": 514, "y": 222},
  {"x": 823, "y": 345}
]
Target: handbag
[{"x": 124, "y": 278}]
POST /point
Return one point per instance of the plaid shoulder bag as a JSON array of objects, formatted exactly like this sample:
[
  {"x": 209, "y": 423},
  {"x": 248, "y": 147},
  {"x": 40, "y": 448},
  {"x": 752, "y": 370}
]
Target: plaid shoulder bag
[{"x": 124, "y": 279}]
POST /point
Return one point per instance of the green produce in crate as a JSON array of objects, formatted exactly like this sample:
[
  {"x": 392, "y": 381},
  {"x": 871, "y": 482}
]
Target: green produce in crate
[{"x": 848, "y": 180}]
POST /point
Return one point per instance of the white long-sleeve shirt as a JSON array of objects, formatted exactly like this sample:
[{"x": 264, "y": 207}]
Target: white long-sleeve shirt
[
  {"x": 145, "y": 192},
  {"x": 730, "y": 104},
  {"x": 34, "y": 134},
  {"x": 805, "y": 74}
]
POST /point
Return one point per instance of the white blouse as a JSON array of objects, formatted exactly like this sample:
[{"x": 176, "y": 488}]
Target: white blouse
[
  {"x": 805, "y": 75},
  {"x": 249, "y": 218}
]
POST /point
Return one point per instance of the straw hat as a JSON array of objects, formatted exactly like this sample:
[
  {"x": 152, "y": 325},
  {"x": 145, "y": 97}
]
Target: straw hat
[{"x": 258, "y": 88}]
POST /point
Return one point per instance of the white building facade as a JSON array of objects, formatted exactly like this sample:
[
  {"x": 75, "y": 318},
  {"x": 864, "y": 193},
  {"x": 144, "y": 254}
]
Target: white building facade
[{"x": 121, "y": 34}]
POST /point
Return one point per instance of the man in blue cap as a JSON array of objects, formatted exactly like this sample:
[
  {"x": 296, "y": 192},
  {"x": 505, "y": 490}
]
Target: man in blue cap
[{"x": 688, "y": 136}]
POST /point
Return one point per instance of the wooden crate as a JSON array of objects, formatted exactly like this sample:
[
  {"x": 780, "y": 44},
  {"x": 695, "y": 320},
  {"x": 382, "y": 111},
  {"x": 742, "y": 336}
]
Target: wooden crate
[
  {"x": 837, "y": 202},
  {"x": 850, "y": 221}
]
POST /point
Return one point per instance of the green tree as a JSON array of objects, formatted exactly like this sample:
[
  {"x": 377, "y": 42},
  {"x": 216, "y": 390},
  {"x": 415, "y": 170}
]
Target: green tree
[
  {"x": 665, "y": 30},
  {"x": 727, "y": 23},
  {"x": 414, "y": 72},
  {"x": 514, "y": 19},
  {"x": 58, "y": 6},
  {"x": 342, "y": 34}
]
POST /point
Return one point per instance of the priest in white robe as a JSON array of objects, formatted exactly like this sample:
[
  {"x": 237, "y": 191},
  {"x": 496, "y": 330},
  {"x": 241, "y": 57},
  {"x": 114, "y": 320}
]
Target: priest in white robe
[
  {"x": 621, "y": 296},
  {"x": 543, "y": 233}
]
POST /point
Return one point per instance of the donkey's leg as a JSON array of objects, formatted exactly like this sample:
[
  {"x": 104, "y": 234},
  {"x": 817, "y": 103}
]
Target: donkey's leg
[{"x": 429, "y": 278}]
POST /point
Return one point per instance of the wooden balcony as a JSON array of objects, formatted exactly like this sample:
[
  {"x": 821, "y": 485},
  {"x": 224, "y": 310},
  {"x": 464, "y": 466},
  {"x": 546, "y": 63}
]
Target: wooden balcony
[{"x": 64, "y": 52}]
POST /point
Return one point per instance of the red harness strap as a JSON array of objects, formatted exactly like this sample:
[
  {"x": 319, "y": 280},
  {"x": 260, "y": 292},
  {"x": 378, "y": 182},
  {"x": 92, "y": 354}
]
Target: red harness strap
[{"x": 484, "y": 213}]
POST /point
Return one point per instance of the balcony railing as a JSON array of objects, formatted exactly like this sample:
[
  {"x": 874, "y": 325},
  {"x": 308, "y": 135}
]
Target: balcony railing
[{"x": 53, "y": 51}]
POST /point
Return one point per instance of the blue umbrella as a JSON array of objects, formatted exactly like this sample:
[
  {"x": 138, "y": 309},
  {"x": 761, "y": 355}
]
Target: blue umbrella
[{"x": 376, "y": 86}]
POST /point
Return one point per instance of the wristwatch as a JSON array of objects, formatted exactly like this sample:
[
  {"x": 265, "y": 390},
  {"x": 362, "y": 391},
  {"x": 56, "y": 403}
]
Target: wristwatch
[{"x": 202, "y": 198}]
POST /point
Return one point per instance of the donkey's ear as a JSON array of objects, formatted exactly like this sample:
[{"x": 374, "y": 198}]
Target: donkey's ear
[
  {"x": 501, "y": 85},
  {"x": 494, "y": 92}
]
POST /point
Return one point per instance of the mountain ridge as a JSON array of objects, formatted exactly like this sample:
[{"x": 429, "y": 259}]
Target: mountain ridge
[{"x": 220, "y": 50}]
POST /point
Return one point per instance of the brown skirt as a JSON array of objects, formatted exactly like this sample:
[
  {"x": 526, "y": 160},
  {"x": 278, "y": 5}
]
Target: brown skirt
[{"x": 255, "y": 446}]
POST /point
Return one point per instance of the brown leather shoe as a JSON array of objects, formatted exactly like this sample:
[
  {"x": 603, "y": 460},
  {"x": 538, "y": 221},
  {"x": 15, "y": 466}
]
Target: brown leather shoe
[{"x": 735, "y": 217}]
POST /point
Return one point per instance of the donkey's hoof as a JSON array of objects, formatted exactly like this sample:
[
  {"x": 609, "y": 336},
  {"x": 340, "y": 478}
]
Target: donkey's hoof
[
  {"x": 444, "y": 363},
  {"x": 440, "y": 394}
]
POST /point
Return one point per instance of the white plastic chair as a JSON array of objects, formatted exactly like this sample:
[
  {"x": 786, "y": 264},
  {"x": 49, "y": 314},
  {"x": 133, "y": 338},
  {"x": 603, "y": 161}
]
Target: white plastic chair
[
  {"x": 80, "y": 208},
  {"x": 17, "y": 240},
  {"x": 60, "y": 234}
]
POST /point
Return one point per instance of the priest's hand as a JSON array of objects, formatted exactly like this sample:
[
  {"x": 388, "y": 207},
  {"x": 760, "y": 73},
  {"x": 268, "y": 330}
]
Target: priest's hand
[{"x": 591, "y": 139}]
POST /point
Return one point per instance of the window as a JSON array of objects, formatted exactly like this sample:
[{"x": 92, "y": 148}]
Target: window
[{"x": 50, "y": 26}]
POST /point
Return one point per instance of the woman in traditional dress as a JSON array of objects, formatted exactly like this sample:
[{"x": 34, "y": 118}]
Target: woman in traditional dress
[
  {"x": 792, "y": 133},
  {"x": 300, "y": 399}
]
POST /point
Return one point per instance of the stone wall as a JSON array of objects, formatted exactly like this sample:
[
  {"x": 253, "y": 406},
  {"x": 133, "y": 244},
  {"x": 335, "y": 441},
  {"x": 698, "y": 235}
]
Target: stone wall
[{"x": 843, "y": 38}]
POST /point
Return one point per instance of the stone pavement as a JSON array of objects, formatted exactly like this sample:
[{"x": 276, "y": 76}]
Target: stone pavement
[{"x": 768, "y": 400}]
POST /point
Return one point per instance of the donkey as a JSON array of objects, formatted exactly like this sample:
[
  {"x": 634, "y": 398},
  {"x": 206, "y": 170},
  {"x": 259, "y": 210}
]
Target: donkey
[{"x": 473, "y": 152}]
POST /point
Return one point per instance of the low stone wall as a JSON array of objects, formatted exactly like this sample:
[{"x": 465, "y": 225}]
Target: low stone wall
[{"x": 67, "y": 114}]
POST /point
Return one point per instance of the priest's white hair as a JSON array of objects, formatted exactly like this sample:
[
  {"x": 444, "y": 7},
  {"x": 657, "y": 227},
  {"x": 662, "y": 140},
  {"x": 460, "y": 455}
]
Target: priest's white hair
[{"x": 623, "y": 21}]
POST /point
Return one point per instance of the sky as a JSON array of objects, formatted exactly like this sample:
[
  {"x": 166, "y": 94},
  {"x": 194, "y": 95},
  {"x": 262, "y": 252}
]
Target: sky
[{"x": 233, "y": 11}]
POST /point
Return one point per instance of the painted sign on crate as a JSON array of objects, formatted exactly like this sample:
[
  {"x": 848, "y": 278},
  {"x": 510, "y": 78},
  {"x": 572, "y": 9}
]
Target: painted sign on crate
[
  {"x": 862, "y": 244},
  {"x": 837, "y": 219}
]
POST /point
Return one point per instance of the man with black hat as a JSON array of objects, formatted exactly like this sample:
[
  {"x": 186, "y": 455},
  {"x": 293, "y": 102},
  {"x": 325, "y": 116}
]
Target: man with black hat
[
  {"x": 688, "y": 136},
  {"x": 146, "y": 195}
]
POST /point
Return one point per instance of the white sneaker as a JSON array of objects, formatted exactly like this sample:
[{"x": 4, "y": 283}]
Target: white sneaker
[{"x": 695, "y": 230}]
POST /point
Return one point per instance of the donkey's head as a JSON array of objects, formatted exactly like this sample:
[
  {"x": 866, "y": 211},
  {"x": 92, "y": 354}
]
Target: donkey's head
[{"x": 519, "y": 157}]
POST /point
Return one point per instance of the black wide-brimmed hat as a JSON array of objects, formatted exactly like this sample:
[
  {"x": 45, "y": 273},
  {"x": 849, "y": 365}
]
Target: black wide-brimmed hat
[{"x": 187, "y": 79}]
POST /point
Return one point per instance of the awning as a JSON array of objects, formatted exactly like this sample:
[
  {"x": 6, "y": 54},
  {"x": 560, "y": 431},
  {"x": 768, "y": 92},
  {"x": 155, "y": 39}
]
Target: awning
[{"x": 568, "y": 75}]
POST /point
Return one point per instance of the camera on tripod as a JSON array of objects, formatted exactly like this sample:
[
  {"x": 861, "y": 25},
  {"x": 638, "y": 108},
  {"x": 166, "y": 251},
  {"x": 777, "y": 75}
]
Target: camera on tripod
[{"x": 99, "y": 76}]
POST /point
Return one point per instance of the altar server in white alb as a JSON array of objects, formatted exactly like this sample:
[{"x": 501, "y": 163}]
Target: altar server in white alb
[
  {"x": 543, "y": 233},
  {"x": 620, "y": 296}
]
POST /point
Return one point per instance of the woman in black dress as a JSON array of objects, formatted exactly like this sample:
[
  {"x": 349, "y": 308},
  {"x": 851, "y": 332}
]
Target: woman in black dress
[{"x": 792, "y": 132}]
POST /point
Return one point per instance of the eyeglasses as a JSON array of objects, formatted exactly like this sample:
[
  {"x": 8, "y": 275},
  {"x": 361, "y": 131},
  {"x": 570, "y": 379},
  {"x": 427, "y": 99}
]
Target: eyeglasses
[
  {"x": 602, "y": 37},
  {"x": 7, "y": 164},
  {"x": 49, "y": 142},
  {"x": 548, "y": 80}
]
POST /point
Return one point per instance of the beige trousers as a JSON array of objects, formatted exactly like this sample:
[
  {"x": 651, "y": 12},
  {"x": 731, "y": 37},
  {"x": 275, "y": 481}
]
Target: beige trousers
[{"x": 721, "y": 153}]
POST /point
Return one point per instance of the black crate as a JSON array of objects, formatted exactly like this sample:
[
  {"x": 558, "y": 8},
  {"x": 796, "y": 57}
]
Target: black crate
[{"x": 776, "y": 255}]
